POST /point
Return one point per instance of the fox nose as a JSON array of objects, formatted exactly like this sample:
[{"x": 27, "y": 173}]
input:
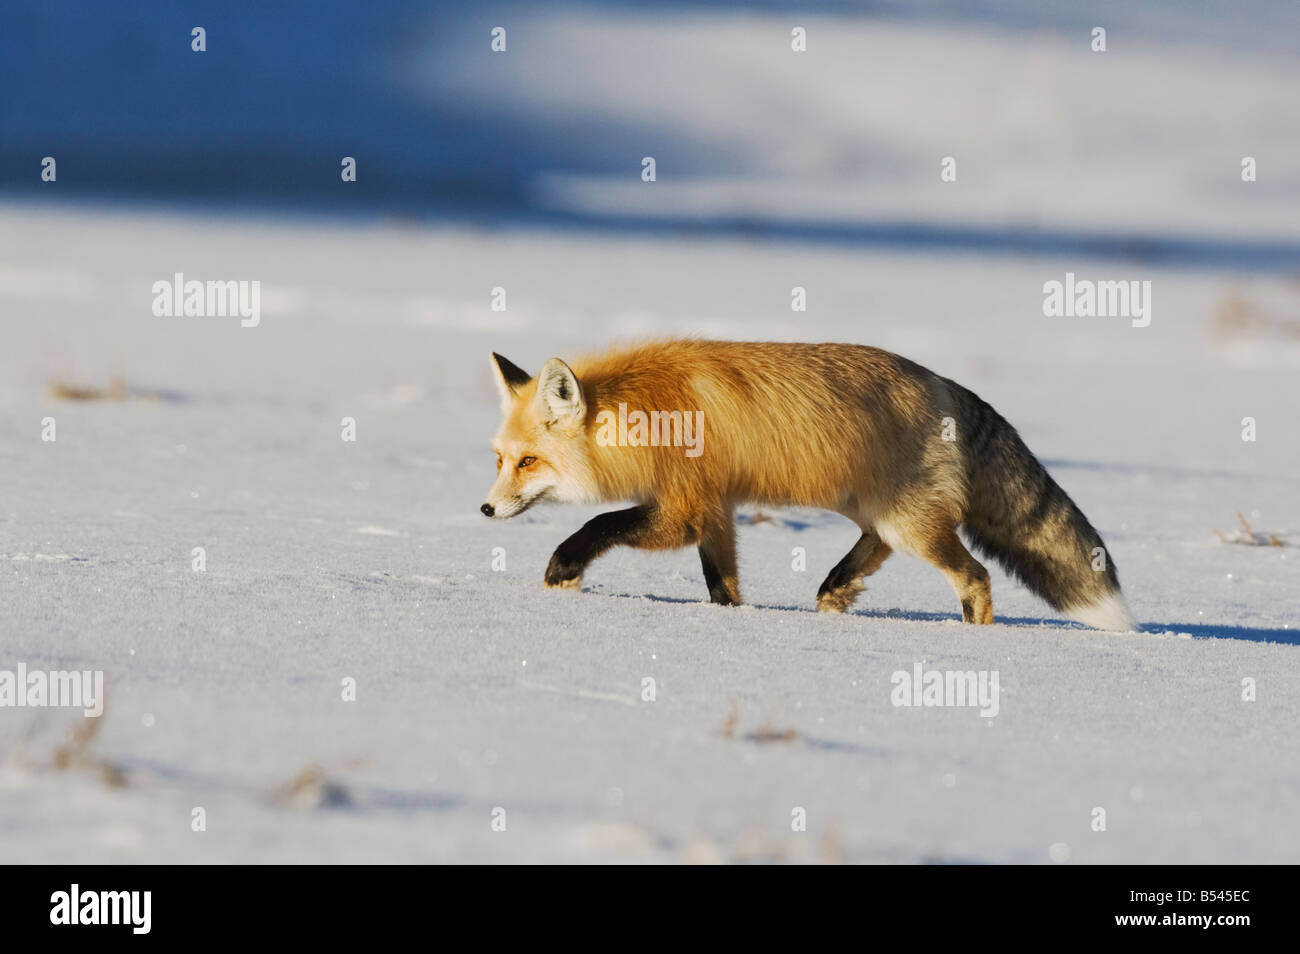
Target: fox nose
[{"x": 488, "y": 510}]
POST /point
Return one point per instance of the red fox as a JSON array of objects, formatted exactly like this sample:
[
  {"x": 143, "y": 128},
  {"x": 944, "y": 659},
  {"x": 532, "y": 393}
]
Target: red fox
[{"x": 907, "y": 455}]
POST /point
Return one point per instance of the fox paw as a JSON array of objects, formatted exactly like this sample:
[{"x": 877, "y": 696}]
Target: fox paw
[
  {"x": 976, "y": 611},
  {"x": 562, "y": 573},
  {"x": 831, "y": 603},
  {"x": 839, "y": 598}
]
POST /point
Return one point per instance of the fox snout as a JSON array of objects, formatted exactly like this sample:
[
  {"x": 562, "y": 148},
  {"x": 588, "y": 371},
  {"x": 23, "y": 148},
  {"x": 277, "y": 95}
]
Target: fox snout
[{"x": 508, "y": 506}]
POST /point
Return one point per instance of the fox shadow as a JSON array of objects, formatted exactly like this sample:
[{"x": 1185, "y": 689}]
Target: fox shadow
[{"x": 1290, "y": 637}]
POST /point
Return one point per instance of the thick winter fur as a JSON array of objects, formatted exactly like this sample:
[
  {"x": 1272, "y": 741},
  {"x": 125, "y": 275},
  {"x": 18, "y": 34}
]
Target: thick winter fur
[{"x": 908, "y": 455}]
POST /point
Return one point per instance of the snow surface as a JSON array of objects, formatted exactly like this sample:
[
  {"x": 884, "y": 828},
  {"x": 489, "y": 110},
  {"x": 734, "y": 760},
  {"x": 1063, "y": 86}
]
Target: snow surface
[
  {"x": 1047, "y": 135},
  {"x": 480, "y": 689}
]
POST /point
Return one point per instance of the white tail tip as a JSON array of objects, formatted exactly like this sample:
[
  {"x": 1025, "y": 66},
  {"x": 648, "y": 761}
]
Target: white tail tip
[{"x": 1108, "y": 613}]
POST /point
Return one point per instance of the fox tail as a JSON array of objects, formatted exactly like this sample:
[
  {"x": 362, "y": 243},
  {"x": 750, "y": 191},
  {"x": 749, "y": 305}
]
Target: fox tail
[{"x": 1018, "y": 515}]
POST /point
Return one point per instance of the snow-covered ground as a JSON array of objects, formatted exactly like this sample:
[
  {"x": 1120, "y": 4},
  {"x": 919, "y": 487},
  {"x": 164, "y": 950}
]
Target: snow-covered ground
[
  {"x": 479, "y": 692},
  {"x": 478, "y": 689},
  {"x": 1046, "y": 134}
]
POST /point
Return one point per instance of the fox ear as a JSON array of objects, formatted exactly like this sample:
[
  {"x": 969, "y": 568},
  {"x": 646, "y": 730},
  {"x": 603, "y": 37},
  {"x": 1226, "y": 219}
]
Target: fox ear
[
  {"x": 509, "y": 377},
  {"x": 559, "y": 395}
]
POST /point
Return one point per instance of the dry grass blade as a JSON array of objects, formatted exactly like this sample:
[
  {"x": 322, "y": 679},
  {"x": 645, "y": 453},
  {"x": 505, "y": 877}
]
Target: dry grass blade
[
  {"x": 65, "y": 391},
  {"x": 769, "y": 733},
  {"x": 1245, "y": 535},
  {"x": 729, "y": 725},
  {"x": 75, "y": 753},
  {"x": 312, "y": 788}
]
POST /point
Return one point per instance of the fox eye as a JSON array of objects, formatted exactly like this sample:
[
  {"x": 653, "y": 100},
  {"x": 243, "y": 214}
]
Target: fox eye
[
  {"x": 526, "y": 462},
  {"x": 498, "y": 462}
]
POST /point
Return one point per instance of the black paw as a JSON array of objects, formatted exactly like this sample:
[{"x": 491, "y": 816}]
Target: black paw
[
  {"x": 563, "y": 572},
  {"x": 723, "y": 597}
]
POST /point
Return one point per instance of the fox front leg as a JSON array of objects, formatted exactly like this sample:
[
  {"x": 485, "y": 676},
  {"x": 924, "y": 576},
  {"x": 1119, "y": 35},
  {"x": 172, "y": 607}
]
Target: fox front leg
[
  {"x": 843, "y": 584},
  {"x": 597, "y": 535},
  {"x": 718, "y": 560},
  {"x": 647, "y": 527}
]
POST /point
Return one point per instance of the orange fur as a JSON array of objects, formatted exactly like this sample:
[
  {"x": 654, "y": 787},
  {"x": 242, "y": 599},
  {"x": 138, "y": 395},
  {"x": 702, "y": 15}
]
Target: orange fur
[{"x": 846, "y": 428}]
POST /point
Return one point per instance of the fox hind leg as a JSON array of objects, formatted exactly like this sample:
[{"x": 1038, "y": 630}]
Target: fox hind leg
[
  {"x": 846, "y": 580},
  {"x": 939, "y": 544}
]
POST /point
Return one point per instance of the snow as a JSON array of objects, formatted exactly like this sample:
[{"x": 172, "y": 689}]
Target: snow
[
  {"x": 1041, "y": 128},
  {"x": 478, "y": 689}
]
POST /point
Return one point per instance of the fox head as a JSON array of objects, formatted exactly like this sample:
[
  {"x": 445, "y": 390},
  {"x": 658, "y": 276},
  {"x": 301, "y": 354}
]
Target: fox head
[{"x": 541, "y": 446}]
